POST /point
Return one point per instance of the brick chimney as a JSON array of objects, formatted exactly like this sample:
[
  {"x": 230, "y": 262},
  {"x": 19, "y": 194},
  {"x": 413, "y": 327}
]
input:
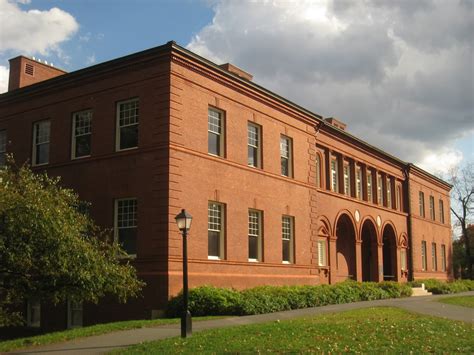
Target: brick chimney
[
  {"x": 25, "y": 71},
  {"x": 336, "y": 123},
  {"x": 237, "y": 71}
]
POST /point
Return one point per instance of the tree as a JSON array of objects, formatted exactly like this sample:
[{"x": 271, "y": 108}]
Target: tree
[
  {"x": 462, "y": 207},
  {"x": 52, "y": 251}
]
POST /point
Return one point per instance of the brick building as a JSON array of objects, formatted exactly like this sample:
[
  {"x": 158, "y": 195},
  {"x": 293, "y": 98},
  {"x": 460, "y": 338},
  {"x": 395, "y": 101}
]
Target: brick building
[{"x": 279, "y": 195}]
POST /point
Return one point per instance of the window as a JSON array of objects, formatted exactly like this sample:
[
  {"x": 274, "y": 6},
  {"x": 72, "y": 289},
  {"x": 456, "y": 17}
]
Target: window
[
  {"x": 334, "y": 175},
  {"x": 441, "y": 211},
  {"x": 127, "y": 124},
  {"x": 322, "y": 253},
  {"x": 403, "y": 259},
  {"x": 434, "y": 261},
  {"x": 358, "y": 182},
  {"x": 3, "y": 147},
  {"x": 421, "y": 197},
  {"x": 432, "y": 208},
  {"x": 74, "y": 314},
  {"x": 399, "y": 198},
  {"x": 443, "y": 257},
  {"x": 318, "y": 170},
  {"x": 285, "y": 155},
  {"x": 81, "y": 134},
  {"x": 41, "y": 135},
  {"x": 379, "y": 189},
  {"x": 347, "y": 179},
  {"x": 369, "y": 186},
  {"x": 126, "y": 224},
  {"x": 287, "y": 235},
  {"x": 424, "y": 261},
  {"x": 215, "y": 230},
  {"x": 254, "y": 145},
  {"x": 215, "y": 132},
  {"x": 255, "y": 235},
  {"x": 389, "y": 193},
  {"x": 33, "y": 313}
]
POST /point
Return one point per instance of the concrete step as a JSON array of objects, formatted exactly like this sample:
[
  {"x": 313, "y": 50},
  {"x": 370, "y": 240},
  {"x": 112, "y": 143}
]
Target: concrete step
[{"x": 420, "y": 291}]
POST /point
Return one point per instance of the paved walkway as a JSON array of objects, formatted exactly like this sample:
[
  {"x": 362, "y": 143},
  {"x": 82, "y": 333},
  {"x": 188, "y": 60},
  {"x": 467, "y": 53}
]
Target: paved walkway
[{"x": 102, "y": 343}]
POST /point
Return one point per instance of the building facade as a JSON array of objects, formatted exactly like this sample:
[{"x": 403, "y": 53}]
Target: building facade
[{"x": 279, "y": 195}]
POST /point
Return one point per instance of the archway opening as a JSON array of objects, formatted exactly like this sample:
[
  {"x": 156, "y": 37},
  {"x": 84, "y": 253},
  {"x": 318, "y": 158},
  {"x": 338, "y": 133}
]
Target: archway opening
[
  {"x": 369, "y": 252},
  {"x": 389, "y": 241},
  {"x": 345, "y": 249}
]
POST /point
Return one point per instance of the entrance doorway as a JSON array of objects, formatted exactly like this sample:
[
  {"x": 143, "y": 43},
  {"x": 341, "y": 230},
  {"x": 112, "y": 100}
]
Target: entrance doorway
[
  {"x": 345, "y": 248},
  {"x": 369, "y": 252},
  {"x": 389, "y": 241}
]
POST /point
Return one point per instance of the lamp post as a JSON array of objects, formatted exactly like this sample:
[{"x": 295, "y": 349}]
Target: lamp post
[{"x": 183, "y": 220}]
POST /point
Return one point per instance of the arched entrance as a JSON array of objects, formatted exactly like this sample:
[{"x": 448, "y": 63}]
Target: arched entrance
[
  {"x": 369, "y": 252},
  {"x": 345, "y": 249},
  {"x": 389, "y": 241}
]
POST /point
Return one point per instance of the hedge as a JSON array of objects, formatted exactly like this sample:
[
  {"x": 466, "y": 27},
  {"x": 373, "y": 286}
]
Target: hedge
[
  {"x": 210, "y": 300},
  {"x": 442, "y": 287}
]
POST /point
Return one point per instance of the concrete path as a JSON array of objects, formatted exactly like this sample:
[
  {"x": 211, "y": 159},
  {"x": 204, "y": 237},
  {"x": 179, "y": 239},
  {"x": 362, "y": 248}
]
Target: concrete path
[{"x": 103, "y": 343}]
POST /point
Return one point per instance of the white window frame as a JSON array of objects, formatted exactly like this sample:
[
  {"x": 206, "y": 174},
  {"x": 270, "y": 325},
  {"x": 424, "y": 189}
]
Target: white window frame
[
  {"x": 370, "y": 191},
  {"x": 398, "y": 197},
  {"x": 255, "y": 143},
  {"x": 119, "y": 126},
  {"x": 74, "y": 135},
  {"x": 258, "y": 234},
  {"x": 116, "y": 220},
  {"x": 443, "y": 257},
  {"x": 286, "y": 152},
  {"x": 47, "y": 140},
  {"x": 30, "y": 305},
  {"x": 358, "y": 182},
  {"x": 288, "y": 234},
  {"x": 380, "y": 190},
  {"x": 220, "y": 131},
  {"x": 432, "y": 208},
  {"x": 334, "y": 174},
  {"x": 73, "y": 307},
  {"x": 441, "y": 211},
  {"x": 421, "y": 202},
  {"x": 217, "y": 221},
  {"x": 347, "y": 179},
  {"x": 318, "y": 171},
  {"x": 424, "y": 257},
  {"x": 322, "y": 252},
  {"x": 434, "y": 257},
  {"x": 388, "y": 181},
  {"x": 3, "y": 146},
  {"x": 403, "y": 259}
]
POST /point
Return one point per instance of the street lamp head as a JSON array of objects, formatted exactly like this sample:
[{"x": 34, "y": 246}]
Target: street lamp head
[{"x": 183, "y": 220}]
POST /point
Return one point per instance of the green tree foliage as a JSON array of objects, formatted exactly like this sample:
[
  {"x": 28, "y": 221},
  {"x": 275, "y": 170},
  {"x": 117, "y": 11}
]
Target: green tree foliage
[{"x": 51, "y": 251}]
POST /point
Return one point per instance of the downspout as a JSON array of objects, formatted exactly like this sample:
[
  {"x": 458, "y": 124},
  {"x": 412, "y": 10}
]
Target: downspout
[{"x": 406, "y": 172}]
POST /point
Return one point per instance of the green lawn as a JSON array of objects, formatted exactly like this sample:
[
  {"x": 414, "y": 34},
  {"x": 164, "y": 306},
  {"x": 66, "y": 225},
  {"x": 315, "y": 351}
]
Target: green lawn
[
  {"x": 465, "y": 301},
  {"x": 371, "y": 330},
  {"x": 98, "y": 329}
]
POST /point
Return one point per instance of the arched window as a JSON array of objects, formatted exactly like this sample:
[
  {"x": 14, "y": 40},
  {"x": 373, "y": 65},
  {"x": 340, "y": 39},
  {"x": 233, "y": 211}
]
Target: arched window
[{"x": 399, "y": 198}]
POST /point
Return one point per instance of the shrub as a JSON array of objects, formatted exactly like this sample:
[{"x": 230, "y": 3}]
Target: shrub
[
  {"x": 443, "y": 287},
  {"x": 209, "y": 300}
]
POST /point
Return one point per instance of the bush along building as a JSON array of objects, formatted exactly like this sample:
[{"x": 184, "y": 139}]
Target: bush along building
[{"x": 279, "y": 195}]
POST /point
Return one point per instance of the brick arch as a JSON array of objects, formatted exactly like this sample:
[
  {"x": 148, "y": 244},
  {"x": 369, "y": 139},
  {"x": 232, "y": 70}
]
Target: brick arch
[
  {"x": 389, "y": 251},
  {"x": 350, "y": 216},
  {"x": 403, "y": 240},
  {"x": 388, "y": 223},
  {"x": 324, "y": 227},
  {"x": 346, "y": 231},
  {"x": 374, "y": 222}
]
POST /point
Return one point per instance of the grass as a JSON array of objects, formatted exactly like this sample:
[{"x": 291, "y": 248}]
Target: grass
[
  {"x": 465, "y": 301},
  {"x": 57, "y": 337},
  {"x": 371, "y": 330}
]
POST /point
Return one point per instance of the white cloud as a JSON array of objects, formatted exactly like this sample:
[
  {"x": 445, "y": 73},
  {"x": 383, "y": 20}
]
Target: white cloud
[
  {"x": 33, "y": 31},
  {"x": 3, "y": 79},
  {"x": 90, "y": 59},
  {"x": 398, "y": 72},
  {"x": 441, "y": 162}
]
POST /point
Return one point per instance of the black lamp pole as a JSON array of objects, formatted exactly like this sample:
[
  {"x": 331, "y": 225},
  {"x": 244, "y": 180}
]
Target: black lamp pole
[{"x": 186, "y": 323}]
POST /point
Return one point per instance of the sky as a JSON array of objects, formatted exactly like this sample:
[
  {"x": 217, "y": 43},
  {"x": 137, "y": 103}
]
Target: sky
[{"x": 398, "y": 72}]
